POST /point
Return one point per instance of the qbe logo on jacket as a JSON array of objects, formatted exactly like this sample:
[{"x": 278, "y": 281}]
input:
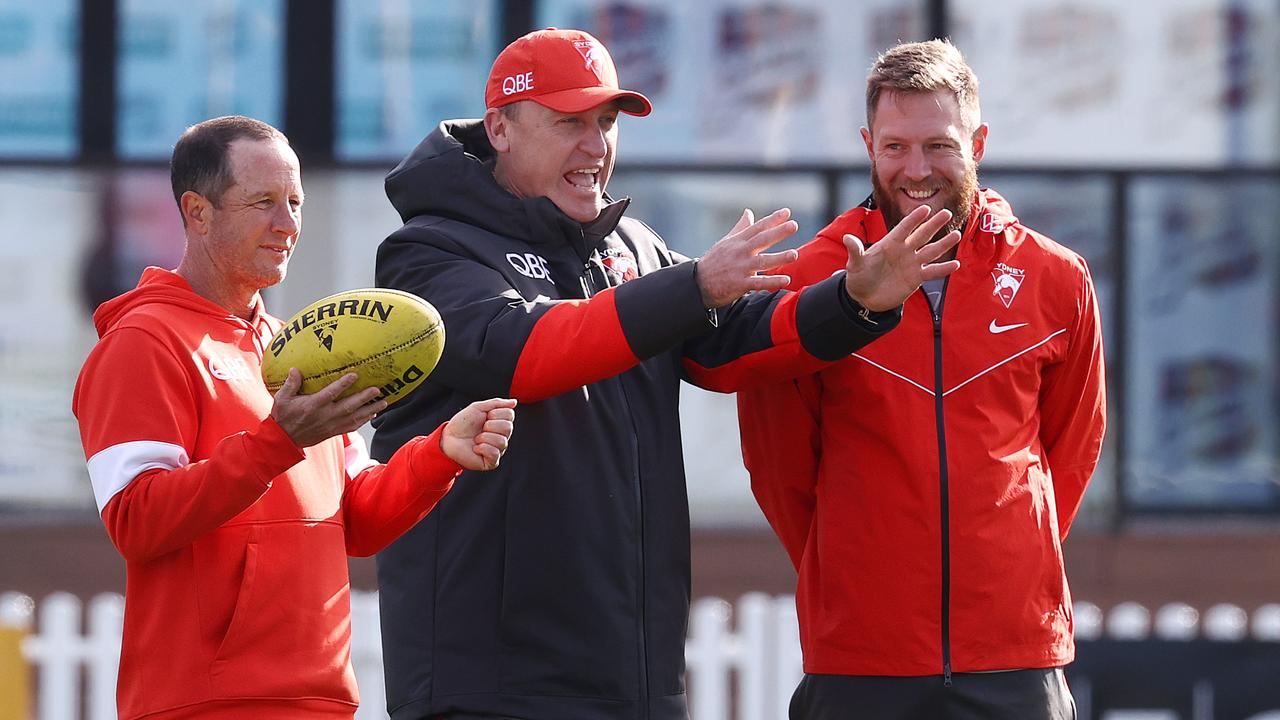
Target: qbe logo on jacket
[
  {"x": 530, "y": 265},
  {"x": 231, "y": 368}
]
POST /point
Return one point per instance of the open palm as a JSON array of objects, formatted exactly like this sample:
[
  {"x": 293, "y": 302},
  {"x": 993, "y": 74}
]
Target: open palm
[{"x": 883, "y": 276}]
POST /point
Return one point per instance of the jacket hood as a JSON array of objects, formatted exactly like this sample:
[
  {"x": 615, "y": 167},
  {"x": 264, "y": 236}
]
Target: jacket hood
[
  {"x": 158, "y": 286},
  {"x": 450, "y": 174},
  {"x": 991, "y": 212}
]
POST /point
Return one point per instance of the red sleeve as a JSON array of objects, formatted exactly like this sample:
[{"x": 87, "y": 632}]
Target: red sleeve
[
  {"x": 781, "y": 449},
  {"x": 1073, "y": 409},
  {"x": 138, "y": 423},
  {"x": 574, "y": 343},
  {"x": 383, "y": 501}
]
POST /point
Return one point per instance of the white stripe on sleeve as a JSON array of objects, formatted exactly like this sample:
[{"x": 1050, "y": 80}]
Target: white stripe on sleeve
[
  {"x": 112, "y": 469},
  {"x": 357, "y": 455}
]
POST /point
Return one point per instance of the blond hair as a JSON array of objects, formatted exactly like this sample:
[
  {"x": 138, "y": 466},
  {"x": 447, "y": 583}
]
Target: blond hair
[{"x": 922, "y": 67}]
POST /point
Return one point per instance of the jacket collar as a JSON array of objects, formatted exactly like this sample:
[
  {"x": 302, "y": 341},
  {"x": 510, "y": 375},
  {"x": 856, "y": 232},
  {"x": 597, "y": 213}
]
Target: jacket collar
[{"x": 989, "y": 216}]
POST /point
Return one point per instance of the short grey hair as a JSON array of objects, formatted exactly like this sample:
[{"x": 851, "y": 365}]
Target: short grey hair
[{"x": 201, "y": 157}]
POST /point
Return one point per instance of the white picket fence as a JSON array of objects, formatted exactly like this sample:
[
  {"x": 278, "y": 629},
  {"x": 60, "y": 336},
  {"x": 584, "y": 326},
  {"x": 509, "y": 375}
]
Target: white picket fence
[
  {"x": 743, "y": 659},
  {"x": 76, "y": 663}
]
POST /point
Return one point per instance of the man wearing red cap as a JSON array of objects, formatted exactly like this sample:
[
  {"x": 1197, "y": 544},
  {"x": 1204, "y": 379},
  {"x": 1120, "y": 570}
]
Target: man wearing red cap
[{"x": 558, "y": 588}]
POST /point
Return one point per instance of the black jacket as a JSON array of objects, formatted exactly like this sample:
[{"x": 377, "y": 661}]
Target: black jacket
[{"x": 557, "y": 586}]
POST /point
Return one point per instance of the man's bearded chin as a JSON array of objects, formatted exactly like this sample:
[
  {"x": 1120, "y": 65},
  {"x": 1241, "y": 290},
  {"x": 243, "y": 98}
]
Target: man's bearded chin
[{"x": 959, "y": 201}]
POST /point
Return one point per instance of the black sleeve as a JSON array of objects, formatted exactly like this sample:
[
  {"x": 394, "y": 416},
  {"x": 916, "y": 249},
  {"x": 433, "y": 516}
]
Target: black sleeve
[
  {"x": 769, "y": 337},
  {"x": 498, "y": 344}
]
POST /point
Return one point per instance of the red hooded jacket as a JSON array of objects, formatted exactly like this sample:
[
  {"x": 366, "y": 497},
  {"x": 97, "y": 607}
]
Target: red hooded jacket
[
  {"x": 923, "y": 485},
  {"x": 235, "y": 540}
]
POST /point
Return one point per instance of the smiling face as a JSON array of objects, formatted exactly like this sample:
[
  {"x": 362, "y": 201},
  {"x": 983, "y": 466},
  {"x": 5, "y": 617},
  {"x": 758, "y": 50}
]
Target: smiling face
[
  {"x": 565, "y": 157},
  {"x": 243, "y": 243},
  {"x": 922, "y": 153}
]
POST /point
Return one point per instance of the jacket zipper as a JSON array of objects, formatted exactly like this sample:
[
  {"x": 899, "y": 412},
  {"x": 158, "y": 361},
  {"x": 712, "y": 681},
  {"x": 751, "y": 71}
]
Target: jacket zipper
[
  {"x": 642, "y": 647},
  {"x": 943, "y": 485}
]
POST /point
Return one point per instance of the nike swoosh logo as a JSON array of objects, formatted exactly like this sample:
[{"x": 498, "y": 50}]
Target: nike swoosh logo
[{"x": 997, "y": 329}]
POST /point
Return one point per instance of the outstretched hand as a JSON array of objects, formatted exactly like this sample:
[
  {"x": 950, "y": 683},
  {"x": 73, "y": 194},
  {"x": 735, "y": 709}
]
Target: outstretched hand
[
  {"x": 732, "y": 267},
  {"x": 314, "y": 418},
  {"x": 477, "y": 436},
  {"x": 884, "y": 276}
]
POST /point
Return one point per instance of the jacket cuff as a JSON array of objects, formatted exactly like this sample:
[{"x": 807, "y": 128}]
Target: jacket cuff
[
  {"x": 873, "y": 321},
  {"x": 661, "y": 309},
  {"x": 428, "y": 469},
  {"x": 429, "y": 463},
  {"x": 274, "y": 448},
  {"x": 831, "y": 325}
]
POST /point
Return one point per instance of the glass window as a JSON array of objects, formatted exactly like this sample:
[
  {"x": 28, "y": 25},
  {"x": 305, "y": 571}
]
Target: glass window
[
  {"x": 40, "y": 66},
  {"x": 736, "y": 81},
  {"x": 1203, "y": 387},
  {"x": 1099, "y": 82},
  {"x": 181, "y": 63},
  {"x": 49, "y": 219},
  {"x": 692, "y": 210},
  {"x": 403, "y": 67}
]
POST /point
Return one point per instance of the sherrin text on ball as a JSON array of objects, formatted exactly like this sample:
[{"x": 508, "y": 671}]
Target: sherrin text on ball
[{"x": 391, "y": 339}]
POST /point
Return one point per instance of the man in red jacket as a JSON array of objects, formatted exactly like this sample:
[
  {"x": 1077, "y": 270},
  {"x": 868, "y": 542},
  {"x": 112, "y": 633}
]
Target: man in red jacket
[
  {"x": 235, "y": 510},
  {"x": 931, "y": 581}
]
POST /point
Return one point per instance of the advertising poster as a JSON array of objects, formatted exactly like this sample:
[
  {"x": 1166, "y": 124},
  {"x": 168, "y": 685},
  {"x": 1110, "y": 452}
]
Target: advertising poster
[
  {"x": 1093, "y": 82},
  {"x": 739, "y": 80},
  {"x": 181, "y": 63},
  {"x": 39, "y": 64},
  {"x": 1202, "y": 369},
  {"x": 403, "y": 66}
]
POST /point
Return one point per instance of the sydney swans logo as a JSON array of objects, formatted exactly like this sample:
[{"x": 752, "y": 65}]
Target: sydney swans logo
[
  {"x": 1008, "y": 282},
  {"x": 591, "y": 54},
  {"x": 621, "y": 264}
]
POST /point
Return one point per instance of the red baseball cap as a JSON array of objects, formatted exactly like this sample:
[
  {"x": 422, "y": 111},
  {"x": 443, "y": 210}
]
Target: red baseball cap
[{"x": 566, "y": 70}]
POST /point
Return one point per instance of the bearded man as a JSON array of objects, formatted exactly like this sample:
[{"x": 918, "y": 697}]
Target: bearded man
[{"x": 924, "y": 484}]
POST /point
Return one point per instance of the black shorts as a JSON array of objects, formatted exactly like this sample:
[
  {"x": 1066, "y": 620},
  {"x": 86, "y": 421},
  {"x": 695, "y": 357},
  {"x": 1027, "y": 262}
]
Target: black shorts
[{"x": 1013, "y": 695}]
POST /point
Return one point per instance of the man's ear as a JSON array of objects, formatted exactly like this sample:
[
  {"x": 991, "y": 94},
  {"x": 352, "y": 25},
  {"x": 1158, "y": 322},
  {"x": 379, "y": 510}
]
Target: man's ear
[
  {"x": 980, "y": 142},
  {"x": 866, "y": 140},
  {"x": 196, "y": 210},
  {"x": 497, "y": 126}
]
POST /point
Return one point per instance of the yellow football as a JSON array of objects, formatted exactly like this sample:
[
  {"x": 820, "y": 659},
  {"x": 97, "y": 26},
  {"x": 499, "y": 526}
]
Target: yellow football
[{"x": 391, "y": 339}]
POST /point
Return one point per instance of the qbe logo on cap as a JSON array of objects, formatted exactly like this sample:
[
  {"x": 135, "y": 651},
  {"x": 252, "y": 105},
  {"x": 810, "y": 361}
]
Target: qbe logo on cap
[{"x": 513, "y": 84}]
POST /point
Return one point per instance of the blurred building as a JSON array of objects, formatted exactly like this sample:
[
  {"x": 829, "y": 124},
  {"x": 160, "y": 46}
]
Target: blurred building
[{"x": 1146, "y": 135}]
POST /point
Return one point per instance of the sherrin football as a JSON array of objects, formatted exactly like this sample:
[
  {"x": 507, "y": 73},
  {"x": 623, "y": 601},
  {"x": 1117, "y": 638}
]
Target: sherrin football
[{"x": 391, "y": 339}]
